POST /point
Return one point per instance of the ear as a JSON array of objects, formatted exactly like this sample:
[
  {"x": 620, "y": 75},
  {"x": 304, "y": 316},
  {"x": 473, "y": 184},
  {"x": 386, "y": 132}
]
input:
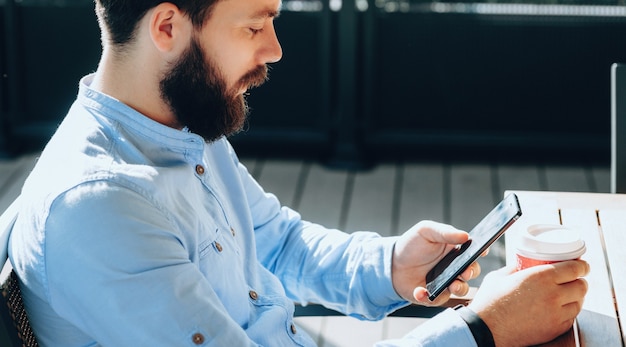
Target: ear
[{"x": 167, "y": 26}]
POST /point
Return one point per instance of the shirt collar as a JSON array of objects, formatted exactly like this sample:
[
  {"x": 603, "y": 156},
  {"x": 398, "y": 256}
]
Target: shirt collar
[{"x": 175, "y": 140}]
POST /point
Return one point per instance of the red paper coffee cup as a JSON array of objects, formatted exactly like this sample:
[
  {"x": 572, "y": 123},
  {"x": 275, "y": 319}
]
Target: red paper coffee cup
[{"x": 547, "y": 244}]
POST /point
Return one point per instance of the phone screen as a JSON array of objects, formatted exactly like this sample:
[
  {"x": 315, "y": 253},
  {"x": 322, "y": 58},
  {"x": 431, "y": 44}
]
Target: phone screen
[{"x": 490, "y": 228}]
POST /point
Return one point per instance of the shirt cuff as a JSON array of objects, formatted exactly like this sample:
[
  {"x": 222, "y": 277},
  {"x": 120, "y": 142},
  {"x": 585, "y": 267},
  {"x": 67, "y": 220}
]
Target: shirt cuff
[
  {"x": 376, "y": 275},
  {"x": 444, "y": 330}
]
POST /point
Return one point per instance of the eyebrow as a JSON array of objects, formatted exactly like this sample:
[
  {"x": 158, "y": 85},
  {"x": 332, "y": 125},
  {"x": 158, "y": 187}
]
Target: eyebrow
[{"x": 265, "y": 13}]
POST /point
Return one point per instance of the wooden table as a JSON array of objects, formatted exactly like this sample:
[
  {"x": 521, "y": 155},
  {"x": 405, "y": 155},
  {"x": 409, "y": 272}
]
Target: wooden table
[{"x": 601, "y": 218}]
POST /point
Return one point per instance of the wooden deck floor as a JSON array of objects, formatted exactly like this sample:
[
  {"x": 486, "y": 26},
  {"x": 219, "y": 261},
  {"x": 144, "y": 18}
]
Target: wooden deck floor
[{"x": 388, "y": 199}]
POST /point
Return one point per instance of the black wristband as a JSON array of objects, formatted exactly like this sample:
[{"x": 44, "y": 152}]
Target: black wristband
[{"x": 479, "y": 329}]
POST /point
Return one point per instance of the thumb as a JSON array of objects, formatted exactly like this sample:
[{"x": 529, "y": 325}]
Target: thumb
[
  {"x": 444, "y": 233},
  {"x": 420, "y": 295}
]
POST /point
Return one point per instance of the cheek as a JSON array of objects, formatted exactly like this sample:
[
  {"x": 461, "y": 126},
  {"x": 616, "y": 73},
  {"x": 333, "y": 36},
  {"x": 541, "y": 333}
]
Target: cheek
[
  {"x": 231, "y": 51},
  {"x": 234, "y": 63}
]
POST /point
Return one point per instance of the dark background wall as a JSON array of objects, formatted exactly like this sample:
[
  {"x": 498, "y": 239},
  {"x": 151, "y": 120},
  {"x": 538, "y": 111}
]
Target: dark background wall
[
  {"x": 480, "y": 84},
  {"x": 362, "y": 86}
]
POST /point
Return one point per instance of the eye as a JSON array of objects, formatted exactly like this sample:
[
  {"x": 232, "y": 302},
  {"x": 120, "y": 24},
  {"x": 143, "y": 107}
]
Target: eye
[{"x": 255, "y": 31}]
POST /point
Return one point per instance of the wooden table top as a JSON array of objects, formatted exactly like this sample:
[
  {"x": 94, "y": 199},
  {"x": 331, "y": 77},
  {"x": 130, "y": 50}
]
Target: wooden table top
[{"x": 601, "y": 219}]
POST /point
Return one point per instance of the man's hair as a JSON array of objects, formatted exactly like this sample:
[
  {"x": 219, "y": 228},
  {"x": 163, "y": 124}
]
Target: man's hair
[{"x": 119, "y": 18}]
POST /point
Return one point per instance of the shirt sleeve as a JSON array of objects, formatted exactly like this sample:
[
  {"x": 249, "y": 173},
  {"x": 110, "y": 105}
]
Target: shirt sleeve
[
  {"x": 444, "y": 330},
  {"x": 350, "y": 273},
  {"x": 114, "y": 260}
]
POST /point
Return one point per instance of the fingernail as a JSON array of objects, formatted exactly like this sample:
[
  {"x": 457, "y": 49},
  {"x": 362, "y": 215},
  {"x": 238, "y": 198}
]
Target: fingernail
[{"x": 457, "y": 287}]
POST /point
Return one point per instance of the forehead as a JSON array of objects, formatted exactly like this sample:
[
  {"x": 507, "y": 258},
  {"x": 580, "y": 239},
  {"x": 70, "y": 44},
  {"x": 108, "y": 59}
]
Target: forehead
[{"x": 245, "y": 9}]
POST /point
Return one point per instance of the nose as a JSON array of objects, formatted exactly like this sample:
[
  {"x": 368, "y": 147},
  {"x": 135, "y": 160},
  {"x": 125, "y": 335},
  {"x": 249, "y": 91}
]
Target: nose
[{"x": 272, "y": 51}]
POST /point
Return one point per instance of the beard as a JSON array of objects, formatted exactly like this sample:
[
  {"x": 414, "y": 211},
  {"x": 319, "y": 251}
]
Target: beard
[{"x": 196, "y": 92}]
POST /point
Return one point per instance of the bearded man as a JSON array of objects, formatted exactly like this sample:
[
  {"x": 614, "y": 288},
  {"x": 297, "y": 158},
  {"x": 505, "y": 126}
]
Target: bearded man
[{"x": 139, "y": 227}]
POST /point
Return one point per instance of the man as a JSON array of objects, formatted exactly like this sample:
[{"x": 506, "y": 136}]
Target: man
[{"x": 139, "y": 227}]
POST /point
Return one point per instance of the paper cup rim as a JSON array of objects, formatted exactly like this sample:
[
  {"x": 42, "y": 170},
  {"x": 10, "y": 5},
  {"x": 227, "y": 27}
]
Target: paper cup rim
[{"x": 530, "y": 246}]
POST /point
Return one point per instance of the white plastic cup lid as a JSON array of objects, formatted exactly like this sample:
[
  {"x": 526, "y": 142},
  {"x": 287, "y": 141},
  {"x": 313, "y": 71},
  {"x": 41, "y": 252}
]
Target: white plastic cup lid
[{"x": 551, "y": 242}]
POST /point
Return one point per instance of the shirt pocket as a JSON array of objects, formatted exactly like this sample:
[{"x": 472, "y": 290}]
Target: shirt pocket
[
  {"x": 219, "y": 254},
  {"x": 210, "y": 244},
  {"x": 222, "y": 267}
]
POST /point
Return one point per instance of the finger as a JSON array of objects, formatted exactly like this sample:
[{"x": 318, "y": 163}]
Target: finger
[
  {"x": 568, "y": 271},
  {"x": 573, "y": 291},
  {"x": 566, "y": 315},
  {"x": 486, "y": 252},
  {"x": 471, "y": 272},
  {"x": 459, "y": 288},
  {"x": 571, "y": 310}
]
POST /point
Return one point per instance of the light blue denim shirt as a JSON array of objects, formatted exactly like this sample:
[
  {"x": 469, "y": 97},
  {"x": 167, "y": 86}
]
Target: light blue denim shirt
[{"x": 132, "y": 233}]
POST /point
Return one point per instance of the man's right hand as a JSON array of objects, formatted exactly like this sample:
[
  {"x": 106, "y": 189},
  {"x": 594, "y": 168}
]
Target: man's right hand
[{"x": 531, "y": 306}]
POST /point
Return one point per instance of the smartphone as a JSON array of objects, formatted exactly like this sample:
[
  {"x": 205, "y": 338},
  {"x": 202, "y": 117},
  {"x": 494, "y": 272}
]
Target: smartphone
[{"x": 490, "y": 228}]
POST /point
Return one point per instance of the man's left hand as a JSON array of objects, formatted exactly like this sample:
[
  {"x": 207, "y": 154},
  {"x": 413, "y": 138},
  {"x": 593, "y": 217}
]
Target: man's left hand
[{"x": 417, "y": 251}]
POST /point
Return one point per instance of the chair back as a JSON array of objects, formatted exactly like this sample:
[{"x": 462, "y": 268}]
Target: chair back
[
  {"x": 7, "y": 220},
  {"x": 15, "y": 329},
  {"x": 618, "y": 128}
]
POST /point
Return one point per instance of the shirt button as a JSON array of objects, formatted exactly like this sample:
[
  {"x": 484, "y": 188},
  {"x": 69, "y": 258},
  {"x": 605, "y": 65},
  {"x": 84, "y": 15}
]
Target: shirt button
[
  {"x": 232, "y": 231},
  {"x": 293, "y": 329},
  {"x": 200, "y": 169},
  {"x": 253, "y": 295},
  {"x": 197, "y": 338},
  {"x": 218, "y": 246}
]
